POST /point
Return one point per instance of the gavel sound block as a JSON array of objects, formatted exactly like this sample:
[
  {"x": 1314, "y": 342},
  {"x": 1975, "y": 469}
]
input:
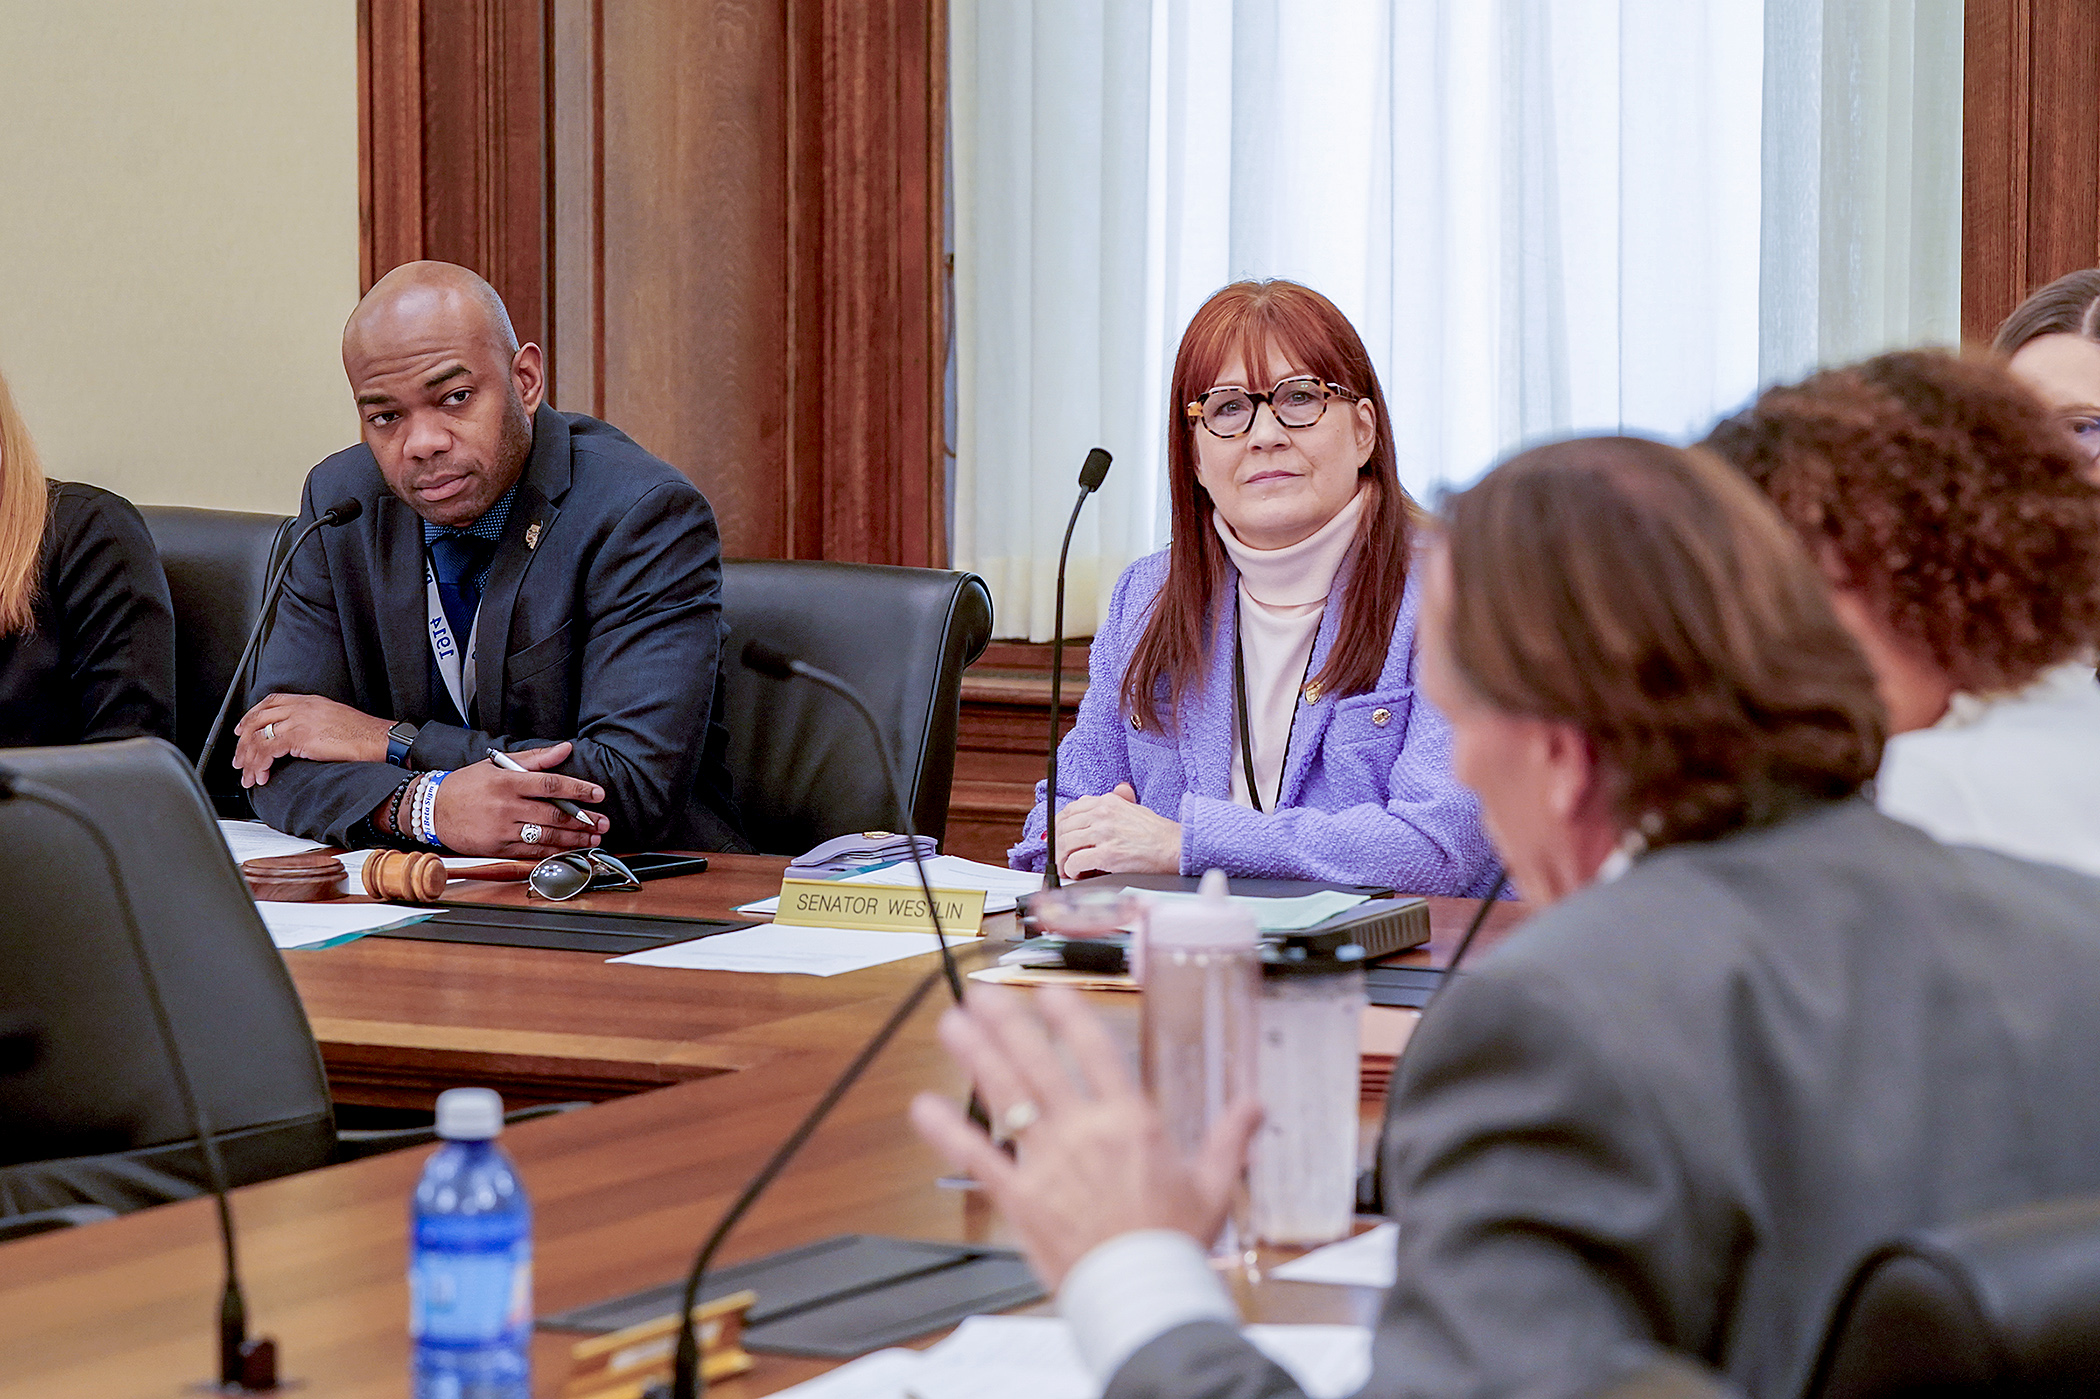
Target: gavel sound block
[{"x": 303, "y": 878}]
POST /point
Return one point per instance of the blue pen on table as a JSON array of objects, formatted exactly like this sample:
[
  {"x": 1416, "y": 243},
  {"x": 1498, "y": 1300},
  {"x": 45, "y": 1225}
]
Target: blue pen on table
[{"x": 567, "y": 808}]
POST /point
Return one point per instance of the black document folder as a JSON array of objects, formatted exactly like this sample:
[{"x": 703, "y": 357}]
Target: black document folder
[
  {"x": 566, "y": 930},
  {"x": 839, "y": 1297}
]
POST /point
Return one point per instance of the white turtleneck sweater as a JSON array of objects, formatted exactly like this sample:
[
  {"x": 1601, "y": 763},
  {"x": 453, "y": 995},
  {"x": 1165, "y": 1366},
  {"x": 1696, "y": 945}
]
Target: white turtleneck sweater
[{"x": 1283, "y": 594}]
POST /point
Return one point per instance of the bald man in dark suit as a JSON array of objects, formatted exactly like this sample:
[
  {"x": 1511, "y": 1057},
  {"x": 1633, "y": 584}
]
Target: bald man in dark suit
[{"x": 519, "y": 579}]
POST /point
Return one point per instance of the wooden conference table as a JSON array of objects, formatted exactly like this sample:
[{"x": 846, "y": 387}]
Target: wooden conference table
[{"x": 699, "y": 1075}]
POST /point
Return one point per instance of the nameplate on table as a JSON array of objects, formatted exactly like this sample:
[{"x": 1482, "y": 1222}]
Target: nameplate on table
[{"x": 877, "y": 908}]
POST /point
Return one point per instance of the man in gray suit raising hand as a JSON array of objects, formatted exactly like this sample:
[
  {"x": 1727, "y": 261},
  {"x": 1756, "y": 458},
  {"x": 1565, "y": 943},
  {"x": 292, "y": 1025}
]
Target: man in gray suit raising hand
[{"x": 1755, "y": 1029}]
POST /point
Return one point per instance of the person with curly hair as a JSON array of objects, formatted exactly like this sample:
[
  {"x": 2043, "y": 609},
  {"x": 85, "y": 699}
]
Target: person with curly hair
[
  {"x": 2051, "y": 343},
  {"x": 1961, "y": 537}
]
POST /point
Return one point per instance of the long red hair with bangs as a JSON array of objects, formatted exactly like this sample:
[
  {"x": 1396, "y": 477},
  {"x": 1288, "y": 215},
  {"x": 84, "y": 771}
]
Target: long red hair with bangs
[{"x": 1311, "y": 333}]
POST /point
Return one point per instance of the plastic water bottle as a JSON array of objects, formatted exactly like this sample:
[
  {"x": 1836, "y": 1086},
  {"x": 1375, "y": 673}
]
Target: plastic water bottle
[
  {"x": 1303, "y": 1175},
  {"x": 470, "y": 1260},
  {"x": 1201, "y": 974}
]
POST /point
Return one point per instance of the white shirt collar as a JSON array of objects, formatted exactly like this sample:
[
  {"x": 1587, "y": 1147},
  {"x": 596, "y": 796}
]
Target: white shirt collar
[
  {"x": 1964, "y": 708},
  {"x": 1630, "y": 848}
]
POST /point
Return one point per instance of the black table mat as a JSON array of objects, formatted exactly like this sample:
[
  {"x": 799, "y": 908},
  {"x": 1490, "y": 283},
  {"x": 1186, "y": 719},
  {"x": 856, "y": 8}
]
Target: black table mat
[
  {"x": 841, "y": 1296},
  {"x": 566, "y": 930},
  {"x": 1402, "y": 986}
]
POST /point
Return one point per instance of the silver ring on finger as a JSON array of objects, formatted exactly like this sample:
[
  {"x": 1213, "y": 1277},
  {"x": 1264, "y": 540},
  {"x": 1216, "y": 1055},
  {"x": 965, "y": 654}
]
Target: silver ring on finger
[
  {"x": 270, "y": 732},
  {"x": 530, "y": 833}
]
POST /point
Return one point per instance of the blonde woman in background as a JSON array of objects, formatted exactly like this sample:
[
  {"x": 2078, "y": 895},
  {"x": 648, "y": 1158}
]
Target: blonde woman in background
[{"x": 87, "y": 634}]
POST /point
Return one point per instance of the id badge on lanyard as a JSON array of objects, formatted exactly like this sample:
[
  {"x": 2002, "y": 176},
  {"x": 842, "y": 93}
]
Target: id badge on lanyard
[{"x": 456, "y": 671}]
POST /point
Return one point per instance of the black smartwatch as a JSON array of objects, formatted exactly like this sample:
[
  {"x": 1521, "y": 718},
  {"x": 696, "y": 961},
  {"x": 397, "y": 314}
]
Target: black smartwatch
[{"x": 399, "y": 739}]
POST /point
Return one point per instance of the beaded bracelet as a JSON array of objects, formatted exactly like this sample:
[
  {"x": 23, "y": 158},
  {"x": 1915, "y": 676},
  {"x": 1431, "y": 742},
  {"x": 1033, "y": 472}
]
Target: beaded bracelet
[
  {"x": 411, "y": 829},
  {"x": 393, "y": 811}
]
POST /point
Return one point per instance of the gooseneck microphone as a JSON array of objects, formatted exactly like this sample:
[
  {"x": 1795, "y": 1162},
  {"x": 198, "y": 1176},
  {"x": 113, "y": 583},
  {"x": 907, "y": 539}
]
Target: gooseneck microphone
[
  {"x": 1091, "y": 474},
  {"x": 340, "y": 513},
  {"x": 686, "y": 1378},
  {"x": 766, "y": 661},
  {"x": 245, "y": 1366},
  {"x": 1370, "y": 1184}
]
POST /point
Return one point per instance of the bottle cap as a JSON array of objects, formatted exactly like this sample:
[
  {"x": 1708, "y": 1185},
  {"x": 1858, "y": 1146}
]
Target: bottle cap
[
  {"x": 469, "y": 1114},
  {"x": 1210, "y": 920}
]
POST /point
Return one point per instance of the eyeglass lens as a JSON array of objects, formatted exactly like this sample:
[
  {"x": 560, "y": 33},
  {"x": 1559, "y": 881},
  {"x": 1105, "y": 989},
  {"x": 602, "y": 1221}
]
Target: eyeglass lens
[
  {"x": 1297, "y": 403},
  {"x": 559, "y": 877},
  {"x": 568, "y": 874}
]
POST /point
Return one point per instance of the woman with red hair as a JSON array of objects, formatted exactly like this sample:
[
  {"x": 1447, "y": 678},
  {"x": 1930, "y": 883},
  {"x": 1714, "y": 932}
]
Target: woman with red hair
[{"x": 1253, "y": 704}]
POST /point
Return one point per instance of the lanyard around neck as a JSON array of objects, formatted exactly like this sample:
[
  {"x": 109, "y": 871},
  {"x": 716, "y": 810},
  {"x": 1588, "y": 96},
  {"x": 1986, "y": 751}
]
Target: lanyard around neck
[
  {"x": 455, "y": 671},
  {"x": 1240, "y": 720},
  {"x": 1243, "y": 721}
]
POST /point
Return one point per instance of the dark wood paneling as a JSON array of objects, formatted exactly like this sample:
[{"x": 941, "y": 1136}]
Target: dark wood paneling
[
  {"x": 390, "y": 136},
  {"x": 695, "y": 251},
  {"x": 576, "y": 293},
  {"x": 868, "y": 99},
  {"x": 454, "y": 151},
  {"x": 741, "y": 201},
  {"x": 485, "y": 150},
  {"x": 1002, "y": 742},
  {"x": 2030, "y": 151}
]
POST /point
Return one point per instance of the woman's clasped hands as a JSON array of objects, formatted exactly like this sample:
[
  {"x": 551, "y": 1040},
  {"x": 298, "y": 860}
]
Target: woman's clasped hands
[{"x": 1113, "y": 834}]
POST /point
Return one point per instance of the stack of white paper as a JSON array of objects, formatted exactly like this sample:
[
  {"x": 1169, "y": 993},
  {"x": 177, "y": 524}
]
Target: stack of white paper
[
  {"x": 778, "y": 947},
  {"x": 252, "y": 840},
  {"x": 324, "y": 925},
  {"x": 1032, "y": 1357},
  {"x": 1002, "y": 886},
  {"x": 1278, "y": 915},
  {"x": 1371, "y": 1259}
]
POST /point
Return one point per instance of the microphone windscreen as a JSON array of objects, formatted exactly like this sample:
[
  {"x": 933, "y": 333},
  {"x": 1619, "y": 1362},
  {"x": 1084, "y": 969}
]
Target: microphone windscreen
[
  {"x": 344, "y": 510},
  {"x": 766, "y": 661},
  {"x": 1095, "y": 471}
]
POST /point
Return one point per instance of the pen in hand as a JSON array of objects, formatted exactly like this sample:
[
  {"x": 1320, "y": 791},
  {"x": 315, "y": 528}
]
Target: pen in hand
[{"x": 567, "y": 808}]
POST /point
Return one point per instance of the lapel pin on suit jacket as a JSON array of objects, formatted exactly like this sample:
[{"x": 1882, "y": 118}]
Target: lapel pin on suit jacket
[{"x": 532, "y": 535}]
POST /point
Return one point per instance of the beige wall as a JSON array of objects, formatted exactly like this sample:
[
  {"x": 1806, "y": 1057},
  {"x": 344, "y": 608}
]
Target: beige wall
[{"x": 178, "y": 240}]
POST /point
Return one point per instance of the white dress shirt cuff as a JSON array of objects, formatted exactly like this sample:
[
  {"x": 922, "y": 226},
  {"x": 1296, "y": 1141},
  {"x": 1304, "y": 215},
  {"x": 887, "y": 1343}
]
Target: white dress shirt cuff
[{"x": 1135, "y": 1288}]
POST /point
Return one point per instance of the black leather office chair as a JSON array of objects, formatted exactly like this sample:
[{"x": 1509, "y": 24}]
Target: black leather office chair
[
  {"x": 804, "y": 767},
  {"x": 2008, "y": 1304},
  {"x": 94, "y": 1117},
  {"x": 217, "y": 562}
]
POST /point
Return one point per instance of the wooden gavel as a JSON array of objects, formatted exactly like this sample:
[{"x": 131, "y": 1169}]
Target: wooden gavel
[
  {"x": 394, "y": 876},
  {"x": 418, "y": 877}
]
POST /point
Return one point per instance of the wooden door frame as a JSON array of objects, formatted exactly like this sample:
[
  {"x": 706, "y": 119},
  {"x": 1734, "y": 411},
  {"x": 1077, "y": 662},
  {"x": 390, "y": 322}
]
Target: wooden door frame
[
  {"x": 2030, "y": 152},
  {"x": 865, "y": 148}
]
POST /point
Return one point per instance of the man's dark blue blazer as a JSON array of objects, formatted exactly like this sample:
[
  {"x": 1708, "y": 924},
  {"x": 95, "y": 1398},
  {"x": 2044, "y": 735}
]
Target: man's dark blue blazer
[{"x": 601, "y": 622}]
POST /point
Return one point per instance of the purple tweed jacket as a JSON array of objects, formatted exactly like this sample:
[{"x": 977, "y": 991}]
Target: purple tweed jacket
[{"x": 1365, "y": 799}]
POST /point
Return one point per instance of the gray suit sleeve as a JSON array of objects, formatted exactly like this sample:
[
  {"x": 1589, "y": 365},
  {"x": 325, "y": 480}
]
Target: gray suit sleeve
[
  {"x": 1546, "y": 1247},
  {"x": 1547, "y": 1233},
  {"x": 1202, "y": 1360}
]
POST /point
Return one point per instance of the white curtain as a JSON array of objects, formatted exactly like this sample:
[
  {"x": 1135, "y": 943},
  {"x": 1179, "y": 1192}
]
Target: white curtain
[
  {"x": 1862, "y": 180},
  {"x": 1544, "y": 216}
]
